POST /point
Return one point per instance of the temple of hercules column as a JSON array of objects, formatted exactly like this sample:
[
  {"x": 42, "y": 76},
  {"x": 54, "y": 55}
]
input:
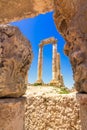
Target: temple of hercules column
[{"x": 57, "y": 78}]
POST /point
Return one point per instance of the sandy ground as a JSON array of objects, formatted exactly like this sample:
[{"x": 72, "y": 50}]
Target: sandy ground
[{"x": 42, "y": 90}]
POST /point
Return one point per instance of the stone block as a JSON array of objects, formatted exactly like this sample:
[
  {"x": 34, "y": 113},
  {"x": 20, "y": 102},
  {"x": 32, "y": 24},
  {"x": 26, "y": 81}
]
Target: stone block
[
  {"x": 20, "y": 9},
  {"x": 12, "y": 113},
  {"x": 15, "y": 60},
  {"x": 82, "y": 99}
]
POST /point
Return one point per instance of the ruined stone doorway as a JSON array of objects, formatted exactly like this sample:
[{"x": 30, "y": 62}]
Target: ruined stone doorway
[{"x": 46, "y": 30}]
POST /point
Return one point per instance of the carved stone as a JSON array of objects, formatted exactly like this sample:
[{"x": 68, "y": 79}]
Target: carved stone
[
  {"x": 12, "y": 114},
  {"x": 71, "y": 21},
  {"x": 15, "y": 59}
]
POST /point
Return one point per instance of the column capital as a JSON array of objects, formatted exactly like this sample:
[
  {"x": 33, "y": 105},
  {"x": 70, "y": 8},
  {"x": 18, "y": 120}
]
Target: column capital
[
  {"x": 54, "y": 43},
  {"x": 40, "y": 45}
]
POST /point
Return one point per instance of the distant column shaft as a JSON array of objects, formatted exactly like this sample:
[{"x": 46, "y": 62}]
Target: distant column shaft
[
  {"x": 40, "y": 61},
  {"x": 58, "y": 66},
  {"x": 54, "y": 68}
]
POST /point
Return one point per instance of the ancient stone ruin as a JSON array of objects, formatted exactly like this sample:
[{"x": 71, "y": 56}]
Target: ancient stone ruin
[
  {"x": 71, "y": 21},
  {"x": 57, "y": 78}
]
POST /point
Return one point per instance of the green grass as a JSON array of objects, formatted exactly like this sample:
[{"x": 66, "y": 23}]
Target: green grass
[
  {"x": 61, "y": 90},
  {"x": 64, "y": 91},
  {"x": 37, "y": 84}
]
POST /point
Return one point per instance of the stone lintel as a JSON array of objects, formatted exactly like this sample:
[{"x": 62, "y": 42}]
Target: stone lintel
[{"x": 47, "y": 41}]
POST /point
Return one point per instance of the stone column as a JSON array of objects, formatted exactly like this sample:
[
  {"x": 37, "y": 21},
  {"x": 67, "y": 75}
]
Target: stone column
[
  {"x": 54, "y": 69},
  {"x": 82, "y": 100},
  {"x": 40, "y": 62},
  {"x": 59, "y": 78},
  {"x": 58, "y": 65}
]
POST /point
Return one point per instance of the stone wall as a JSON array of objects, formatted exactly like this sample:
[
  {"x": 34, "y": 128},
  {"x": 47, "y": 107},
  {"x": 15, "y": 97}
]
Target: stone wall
[{"x": 52, "y": 112}]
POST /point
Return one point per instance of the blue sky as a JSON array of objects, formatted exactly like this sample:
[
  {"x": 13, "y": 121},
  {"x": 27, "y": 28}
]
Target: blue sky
[{"x": 36, "y": 29}]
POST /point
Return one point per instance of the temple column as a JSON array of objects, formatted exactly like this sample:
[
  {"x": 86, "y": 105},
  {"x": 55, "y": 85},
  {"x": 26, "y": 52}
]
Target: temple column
[
  {"x": 58, "y": 66},
  {"x": 54, "y": 68},
  {"x": 40, "y": 61},
  {"x": 59, "y": 76}
]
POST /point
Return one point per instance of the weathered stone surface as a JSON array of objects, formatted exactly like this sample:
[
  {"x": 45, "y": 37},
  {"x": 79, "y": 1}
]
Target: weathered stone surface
[
  {"x": 20, "y": 9},
  {"x": 12, "y": 114},
  {"x": 45, "y": 109},
  {"x": 82, "y": 100},
  {"x": 71, "y": 20},
  {"x": 15, "y": 59}
]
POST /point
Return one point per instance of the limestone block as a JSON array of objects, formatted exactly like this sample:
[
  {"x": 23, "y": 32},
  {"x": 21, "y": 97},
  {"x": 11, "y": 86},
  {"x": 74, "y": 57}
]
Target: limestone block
[
  {"x": 82, "y": 99},
  {"x": 48, "y": 110},
  {"x": 15, "y": 59},
  {"x": 71, "y": 20},
  {"x": 12, "y": 113},
  {"x": 14, "y": 10}
]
